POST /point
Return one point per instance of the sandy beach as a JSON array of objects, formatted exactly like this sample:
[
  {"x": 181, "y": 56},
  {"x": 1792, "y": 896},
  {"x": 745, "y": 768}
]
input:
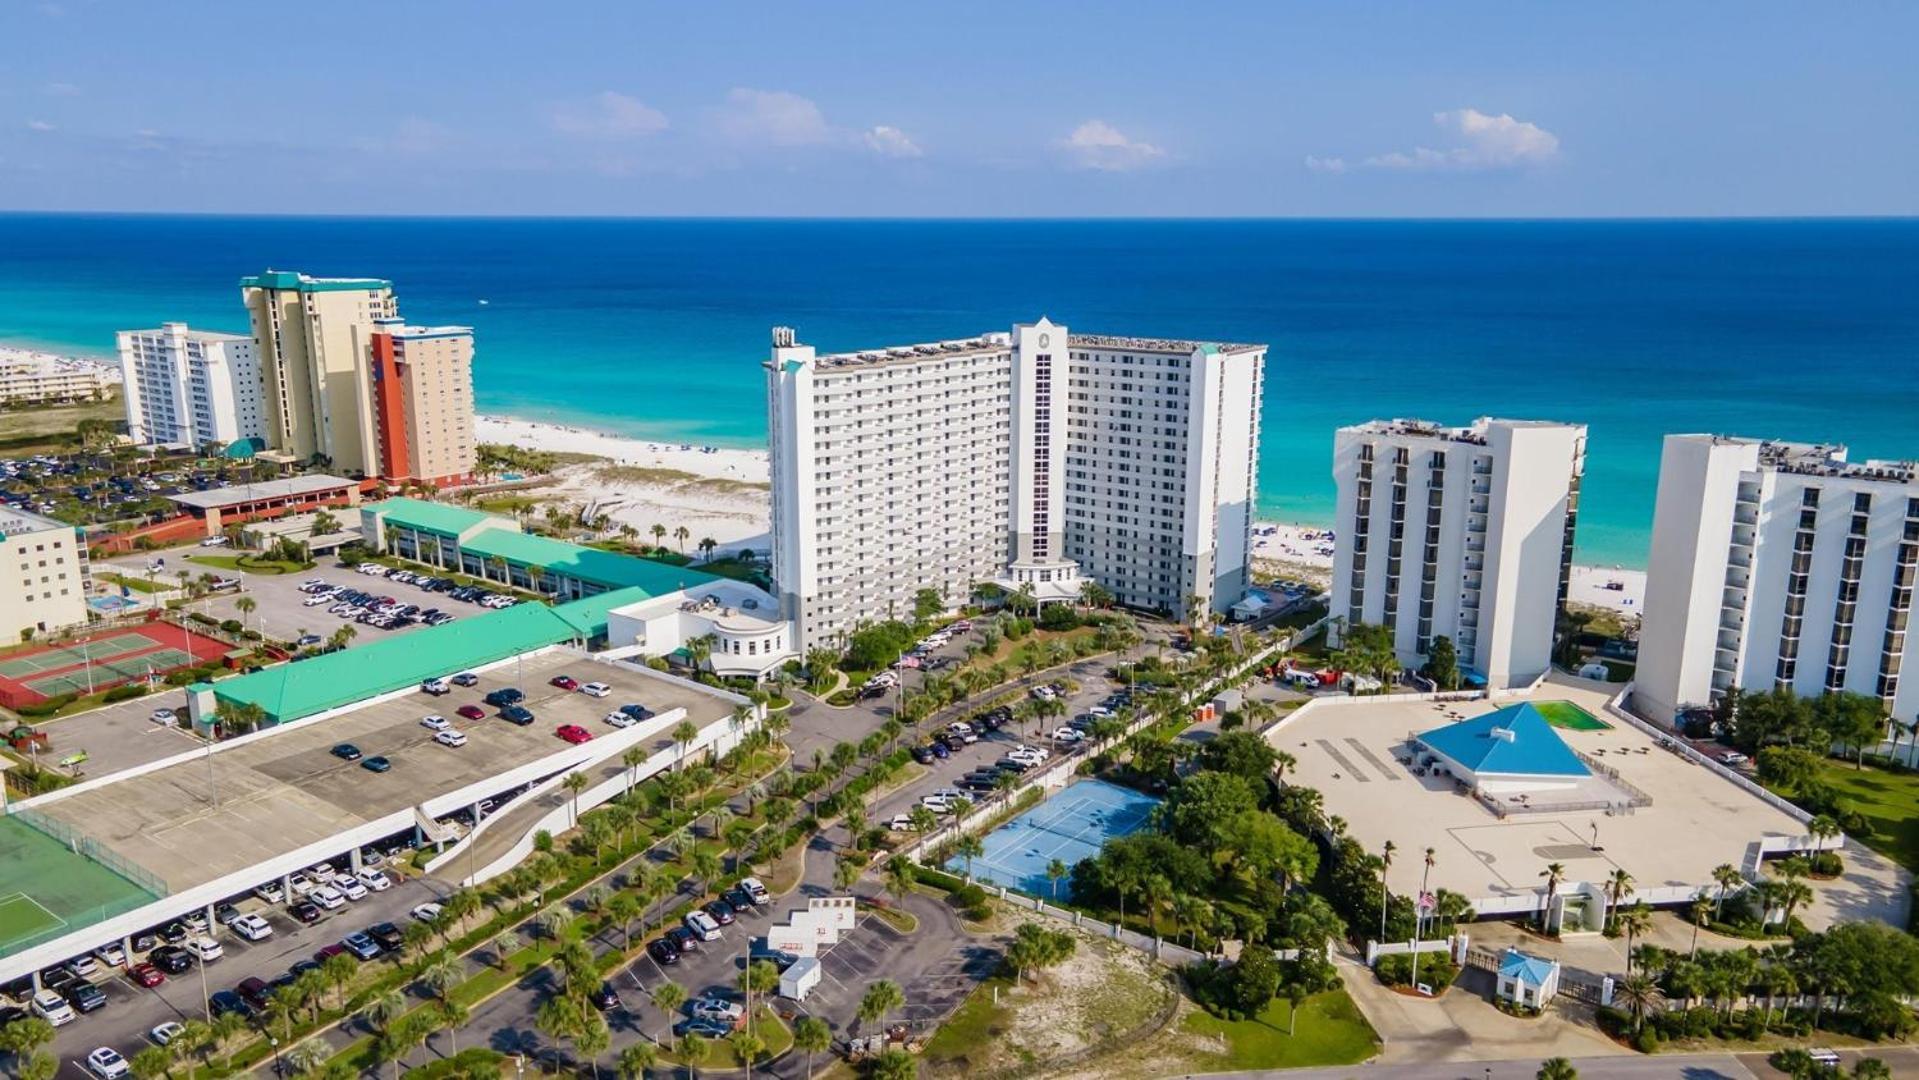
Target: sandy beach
[{"x": 722, "y": 493}]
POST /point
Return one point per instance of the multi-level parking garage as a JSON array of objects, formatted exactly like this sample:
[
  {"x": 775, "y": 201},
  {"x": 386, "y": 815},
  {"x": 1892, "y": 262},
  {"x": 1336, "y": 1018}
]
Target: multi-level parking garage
[{"x": 188, "y": 832}]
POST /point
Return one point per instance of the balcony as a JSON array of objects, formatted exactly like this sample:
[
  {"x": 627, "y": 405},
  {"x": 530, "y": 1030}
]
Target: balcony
[
  {"x": 1733, "y": 621},
  {"x": 1733, "y": 599}
]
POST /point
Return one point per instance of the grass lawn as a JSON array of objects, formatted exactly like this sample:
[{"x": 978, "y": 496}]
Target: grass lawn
[
  {"x": 1330, "y": 1032},
  {"x": 250, "y": 564},
  {"x": 737, "y": 569},
  {"x": 977, "y": 1022},
  {"x": 136, "y": 584},
  {"x": 1890, "y": 801}
]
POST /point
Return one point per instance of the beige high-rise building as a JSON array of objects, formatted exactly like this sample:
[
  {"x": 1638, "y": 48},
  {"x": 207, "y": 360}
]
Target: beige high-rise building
[
  {"x": 423, "y": 402},
  {"x": 43, "y": 575},
  {"x": 315, "y": 347}
]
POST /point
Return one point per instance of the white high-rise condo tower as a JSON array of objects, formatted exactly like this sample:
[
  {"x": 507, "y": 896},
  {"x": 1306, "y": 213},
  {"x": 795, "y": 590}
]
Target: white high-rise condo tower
[
  {"x": 1465, "y": 533},
  {"x": 1777, "y": 565},
  {"x": 191, "y": 387},
  {"x": 1035, "y": 459}
]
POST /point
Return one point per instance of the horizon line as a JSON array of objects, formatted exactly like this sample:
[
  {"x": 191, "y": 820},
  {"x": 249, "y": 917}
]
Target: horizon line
[{"x": 985, "y": 218}]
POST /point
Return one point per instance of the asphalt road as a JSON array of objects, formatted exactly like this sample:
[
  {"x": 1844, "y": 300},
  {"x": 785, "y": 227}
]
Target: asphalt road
[{"x": 1904, "y": 1061}]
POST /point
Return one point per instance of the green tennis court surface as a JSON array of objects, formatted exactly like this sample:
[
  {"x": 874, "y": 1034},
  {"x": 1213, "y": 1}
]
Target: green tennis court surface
[
  {"x": 51, "y": 889},
  {"x": 66, "y": 656},
  {"x": 156, "y": 662},
  {"x": 1564, "y": 714}
]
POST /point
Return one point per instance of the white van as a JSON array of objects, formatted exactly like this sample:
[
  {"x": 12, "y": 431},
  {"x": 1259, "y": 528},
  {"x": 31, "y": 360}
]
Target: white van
[{"x": 52, "y": 1008}]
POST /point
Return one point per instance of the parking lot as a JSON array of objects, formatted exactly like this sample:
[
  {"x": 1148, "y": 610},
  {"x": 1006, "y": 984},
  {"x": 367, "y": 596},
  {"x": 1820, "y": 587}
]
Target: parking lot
[
  {"x": 131, "y": 1011},
  {"x": 195, "y": 821}
]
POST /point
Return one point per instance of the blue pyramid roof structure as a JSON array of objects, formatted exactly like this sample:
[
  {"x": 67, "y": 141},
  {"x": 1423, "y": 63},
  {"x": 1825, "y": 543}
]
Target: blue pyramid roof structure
[
  {"x": 1514, "y": 740},
  {"x": 1529, "y": 969}
]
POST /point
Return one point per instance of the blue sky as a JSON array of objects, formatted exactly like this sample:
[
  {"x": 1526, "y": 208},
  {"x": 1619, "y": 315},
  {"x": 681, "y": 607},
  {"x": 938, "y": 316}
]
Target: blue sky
[{"x": 976, "y": 109}]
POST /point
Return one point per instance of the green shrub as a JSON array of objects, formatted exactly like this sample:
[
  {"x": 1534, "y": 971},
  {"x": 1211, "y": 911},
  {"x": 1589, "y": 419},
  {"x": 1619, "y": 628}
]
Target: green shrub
[
  {"x": 126, "y": 692},
  {"x": 48, "y": 707},
  {"x": 1436, "y": 970},
  {"x": 231, "y": 626},
  {"x": 1647, "y": 1041}
]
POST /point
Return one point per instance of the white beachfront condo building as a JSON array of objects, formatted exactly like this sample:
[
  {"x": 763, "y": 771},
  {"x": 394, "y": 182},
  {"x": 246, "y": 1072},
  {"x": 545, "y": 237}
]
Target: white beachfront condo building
[
  {"x": 1777, "y": 565},
  {"x": 1035, "y": 459},
  {"x": 191, "y": 387},
  {"x": 1463, "y": 532}
]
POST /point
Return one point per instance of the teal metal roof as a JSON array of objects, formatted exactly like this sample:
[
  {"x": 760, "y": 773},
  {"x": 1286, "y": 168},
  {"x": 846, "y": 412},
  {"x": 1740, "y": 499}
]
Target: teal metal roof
[
  {"x": 434, "y": 517},
  {"x": 302, "y": 688},
  {"x": 1516, "y": 740},
  {"x": 1529, "y": 969},
  {"x": 587, "y": 564},
  {"x": 288, "y": 279}
]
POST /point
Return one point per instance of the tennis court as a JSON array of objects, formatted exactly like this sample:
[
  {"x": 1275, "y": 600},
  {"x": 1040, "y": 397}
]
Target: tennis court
[
  {"x": 103, "y": 659},
  {"x": 1070, "y": 826},
  {"x": 50, "y": 888}
]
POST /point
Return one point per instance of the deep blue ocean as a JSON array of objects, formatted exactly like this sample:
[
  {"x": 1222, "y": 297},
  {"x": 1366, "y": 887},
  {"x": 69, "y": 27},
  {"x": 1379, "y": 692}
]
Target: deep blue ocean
[{"x": 1797, "y": 329}]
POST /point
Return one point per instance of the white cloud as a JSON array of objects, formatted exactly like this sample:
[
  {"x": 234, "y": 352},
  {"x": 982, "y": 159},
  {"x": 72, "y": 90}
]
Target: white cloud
[
  {"x": 1326, "y": 164},
  {"x": 1097, "y": 144},
  {"x": 771, "y": 118},
  {"x": 39, "y": 125},
  {"x": 1486, "y": 142},
  {"x": 609, "y": 115},
  {"x": 888, "y": 141}
]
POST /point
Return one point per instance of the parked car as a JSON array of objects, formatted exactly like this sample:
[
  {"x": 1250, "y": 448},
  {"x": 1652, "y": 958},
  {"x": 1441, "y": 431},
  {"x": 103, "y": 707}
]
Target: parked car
[
  {"x": 518, "y": 715},
  {"x": 703, "y": 925},
  {"x": 426, "y": 912},
  {"x": 85, "y": 996},
  {"x": 720, "y": 911},
  {"x": 166, "y": 1031},
  {"x": 388, "y": 935},
  {"x": 605, "y": 999},
  {"x": 565, "y": 682},
  {"x": 505, "y": 695},
  {"x": 435, "y": 722},
  {"x": 106, "y": 1063},
  {"x": 305, "y": 911},
  {"x": 450, "y": 738},
  {"x": 226, "y": 1001},
  {"x": 146, "y": 974},
  {"x": 349, "y": 886},
  {"x": 619, "y": 719},
  {"x": 715, "y": 1007},
  {"x": 171, "y": 959},
  {"x": 752, "y": 887},
  {"x": 470, "y": 712},
  {"x": 253, "y": 928},
  {"x": 205, "y": 949},
  {"x": 573, "y": 733},
  {"x": 683, "y": 939},
  {"x": 361, "y": 945},
  {"x": 376, "y": 764},
  {"x": 662, "y": 952},
  {"x": 51, "y": 1007},
  {"x": 346, "y": 751},
  {"x": 708, "y": 1029}
]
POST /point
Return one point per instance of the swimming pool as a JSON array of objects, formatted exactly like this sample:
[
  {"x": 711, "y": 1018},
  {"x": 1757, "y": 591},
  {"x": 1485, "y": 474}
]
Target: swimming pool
[
  {"x": 1070, "y": 826},
  {"x": 110, "y": 604}
]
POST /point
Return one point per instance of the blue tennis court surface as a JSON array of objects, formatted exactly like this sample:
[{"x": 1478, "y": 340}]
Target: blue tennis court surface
[{"x": 1069, "y": 827}]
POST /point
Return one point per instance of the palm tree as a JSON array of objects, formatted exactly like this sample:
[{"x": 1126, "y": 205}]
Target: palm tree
[
  {"x": 1701, "y": 907},
  {"x": 668, "y": 997},
  {"x": 1640, "y": 995},
  {"x": 1385, "y": 891},
  {"x": 1632, "y": 922},
  {"x": 338, "y": 970},
  {"x": 683, "y": 735},
  {"x": 1055, "y": 870},
  {"x": 880, "y": 999},
  {"x": 575, "y": 783},
  {"x": 969, "y": 847},
  {"x": 1618, "y": 884},
  {"x": 680, "y": 536},
  {"x": 1554, "y": 873},
  {"x": 706, "y": 546},
  {"x": 692, "y": 1050},
  {"x": 246, "y": 605},
  {"x": 812, "y": 1035},
  {"x": 636, "y": 1060},
  {"x": 1557, "y": 1069}
]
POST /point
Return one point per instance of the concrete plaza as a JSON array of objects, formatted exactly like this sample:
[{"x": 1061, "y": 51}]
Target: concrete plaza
[{"x": 1355, "y": 752}]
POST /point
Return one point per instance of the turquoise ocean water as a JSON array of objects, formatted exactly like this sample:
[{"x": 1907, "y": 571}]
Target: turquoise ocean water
[{"x": 1799, "y": 329}]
